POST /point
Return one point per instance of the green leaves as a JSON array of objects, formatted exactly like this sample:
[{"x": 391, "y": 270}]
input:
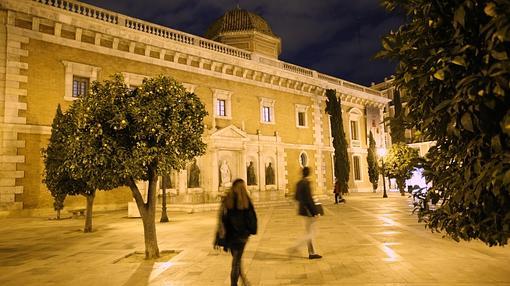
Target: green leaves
[
  {"x": 459, "y": 16},
  {"x": 373, "y": 170},
  {"x": 490, "y": 9},
  {"x": 457, "y": 83}
]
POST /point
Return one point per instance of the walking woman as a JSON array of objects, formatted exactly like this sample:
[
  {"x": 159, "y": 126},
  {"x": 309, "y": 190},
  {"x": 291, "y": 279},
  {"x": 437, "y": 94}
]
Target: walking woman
[{"x": 237, "y": 222}]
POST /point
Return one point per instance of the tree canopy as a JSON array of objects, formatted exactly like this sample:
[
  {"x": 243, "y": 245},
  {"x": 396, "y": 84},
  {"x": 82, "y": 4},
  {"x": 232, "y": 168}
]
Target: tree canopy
[
  {"x": 124, "y": 136},
  {"x": 373, "y": 169},
  {"x": 453, "y": 72},
  {"x": 57, "y": 178},
  {"x": 341, "y": 160},
  {"x": 399, "y": 164}
]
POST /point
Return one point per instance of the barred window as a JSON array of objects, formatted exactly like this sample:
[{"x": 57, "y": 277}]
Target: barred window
[
  {"x": 80, "y": 86},
  {"x": 220, "y": 107}
]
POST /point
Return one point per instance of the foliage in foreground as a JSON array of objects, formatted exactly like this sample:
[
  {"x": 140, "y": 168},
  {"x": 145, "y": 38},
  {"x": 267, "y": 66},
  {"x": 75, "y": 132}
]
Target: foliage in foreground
[{"x": 454, "y": 72}]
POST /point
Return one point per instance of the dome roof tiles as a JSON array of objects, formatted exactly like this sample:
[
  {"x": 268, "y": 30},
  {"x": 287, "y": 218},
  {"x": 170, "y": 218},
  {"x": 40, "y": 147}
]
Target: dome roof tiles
[{"x": 238, "y": 20}]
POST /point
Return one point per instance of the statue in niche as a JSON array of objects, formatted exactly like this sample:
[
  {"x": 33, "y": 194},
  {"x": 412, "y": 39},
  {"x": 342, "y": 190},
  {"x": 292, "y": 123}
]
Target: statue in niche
[
  {"x": 269, "y": 175},
  {"x": 225, "y": 176},
  {"x": 252, "y": 178},
  {"x": 194, "y": 175}
]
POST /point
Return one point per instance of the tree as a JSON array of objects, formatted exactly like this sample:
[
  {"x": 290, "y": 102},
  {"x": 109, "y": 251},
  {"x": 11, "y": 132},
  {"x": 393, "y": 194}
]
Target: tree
[
  {"x": 400, "y": 163},
  {"x": 56, "y": 177},
  {"x": 397, "y": 121},
  {"x": 373, "y": 170},
  {"x": 454, "y": 70},
  {"x": 341, "y": 159},
  {"x": 126, "y": 136}
]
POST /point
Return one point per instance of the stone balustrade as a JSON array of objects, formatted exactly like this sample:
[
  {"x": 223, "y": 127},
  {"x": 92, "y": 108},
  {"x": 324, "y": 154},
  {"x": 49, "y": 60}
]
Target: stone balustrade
[{"x": 188, "y": 39}]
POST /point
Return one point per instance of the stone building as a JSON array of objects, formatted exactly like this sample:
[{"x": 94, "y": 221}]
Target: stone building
[{"x": 262, "y": 111}]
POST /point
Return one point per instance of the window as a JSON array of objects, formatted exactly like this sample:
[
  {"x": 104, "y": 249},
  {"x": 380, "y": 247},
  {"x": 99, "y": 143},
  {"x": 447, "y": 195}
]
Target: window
[
  {"x": 355, "y": 116},
  {"x": 220, "y": 107},
  {"x": 222, "y": 103},
  {"x": 357, "y": 168},
  {"x": 354, "y": 130},
  {"x": 267, "y": 111},
  {"x": 301, "y": 118},
  {"x": 80, "y": 86},
  {"x": 77, "y": 79}
]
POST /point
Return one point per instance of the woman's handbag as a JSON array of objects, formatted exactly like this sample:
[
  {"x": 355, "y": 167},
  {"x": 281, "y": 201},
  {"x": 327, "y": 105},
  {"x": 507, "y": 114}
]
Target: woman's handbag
[{"x": 221, "y": 232}]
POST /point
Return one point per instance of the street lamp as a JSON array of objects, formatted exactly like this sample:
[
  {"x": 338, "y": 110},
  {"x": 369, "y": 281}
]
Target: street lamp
[{"x": 382, "y": 152}]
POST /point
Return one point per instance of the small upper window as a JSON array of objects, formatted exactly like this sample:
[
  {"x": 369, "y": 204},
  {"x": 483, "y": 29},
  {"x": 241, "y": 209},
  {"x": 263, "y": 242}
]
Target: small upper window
[
  {"x": 301, "y": 120},
  {"x": 266, "y": 113},
  {"x": 77, "y": 79},
  {"x": 80, "y": 86},
  {"x": 220, "y": 107},
  {"x": 267, "y": 110},
  {"x": 222, "y": 103},
  {"x": 354, "y": 130}
]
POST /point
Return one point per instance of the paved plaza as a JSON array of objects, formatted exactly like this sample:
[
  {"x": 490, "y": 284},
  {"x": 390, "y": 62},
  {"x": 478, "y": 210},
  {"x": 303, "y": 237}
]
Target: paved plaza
[{"x": 368, "y": 241}]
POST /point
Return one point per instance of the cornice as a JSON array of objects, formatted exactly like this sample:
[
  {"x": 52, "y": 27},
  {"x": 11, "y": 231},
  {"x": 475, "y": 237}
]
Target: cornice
[{"x": 198, "y": 53}]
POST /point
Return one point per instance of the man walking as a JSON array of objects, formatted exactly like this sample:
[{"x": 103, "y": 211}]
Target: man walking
[{"x": 309, "y": 212}]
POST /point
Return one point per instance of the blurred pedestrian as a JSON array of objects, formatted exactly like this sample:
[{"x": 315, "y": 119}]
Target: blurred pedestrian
[
  {"x": 338, "y": 192},
  {"x": 309, "y": 212},
  {"x": 238, "y": 221}
]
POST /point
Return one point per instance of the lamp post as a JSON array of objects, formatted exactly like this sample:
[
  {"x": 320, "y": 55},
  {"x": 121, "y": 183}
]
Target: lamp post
[{"x": 382, "y": 152}]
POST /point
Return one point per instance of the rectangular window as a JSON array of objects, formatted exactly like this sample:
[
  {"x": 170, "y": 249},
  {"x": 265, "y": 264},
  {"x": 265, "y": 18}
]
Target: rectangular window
[
  {"x": 266, "y": 110},
  {"x": 220, "y": 108},
  {"x": 354, "y": 130},
  {"x": 301, "y": 119},
  {"x": 80, "y": 86},
  {"x": 357, "y": 169}
]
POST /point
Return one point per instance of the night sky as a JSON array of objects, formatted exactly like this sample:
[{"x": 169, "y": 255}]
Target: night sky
[{"x": 335, "y": 37}]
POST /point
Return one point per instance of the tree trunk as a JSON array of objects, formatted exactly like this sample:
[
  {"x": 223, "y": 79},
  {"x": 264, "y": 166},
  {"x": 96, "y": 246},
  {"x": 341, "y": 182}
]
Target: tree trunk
[
  {"x": 88, "y": 213},
  {"x": 401, "y": 183},
  {"x": 148, "y": 213},
  {"x": 58, "y": 214},
  {"x": 164, "y": 215}
]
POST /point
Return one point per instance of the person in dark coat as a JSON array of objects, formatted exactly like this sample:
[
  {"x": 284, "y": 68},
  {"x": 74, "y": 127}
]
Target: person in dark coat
[
  {"x": 338, "y": 192},
  {"x": 308, "y": 210},
  {"x": 239, "y": 221}
]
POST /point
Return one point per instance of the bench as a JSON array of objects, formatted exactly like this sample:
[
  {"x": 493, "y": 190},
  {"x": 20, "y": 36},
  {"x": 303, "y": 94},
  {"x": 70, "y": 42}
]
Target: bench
[{"x": 78, "y": 212}]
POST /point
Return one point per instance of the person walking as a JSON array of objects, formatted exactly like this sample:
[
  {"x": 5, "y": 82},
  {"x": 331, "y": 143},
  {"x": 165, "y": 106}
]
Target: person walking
[
  {"x": 338, "y": 192},
  {"x": 238, "y": 221},
  {"x": 310, "y": 213}
]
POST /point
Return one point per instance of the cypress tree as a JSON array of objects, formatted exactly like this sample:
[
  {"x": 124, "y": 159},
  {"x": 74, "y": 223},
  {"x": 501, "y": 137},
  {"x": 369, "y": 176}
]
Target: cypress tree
[
  {"x": 397, "y": 122},
  {"x": 373, "y": 172},
  {"x": 341, "y": 159}
]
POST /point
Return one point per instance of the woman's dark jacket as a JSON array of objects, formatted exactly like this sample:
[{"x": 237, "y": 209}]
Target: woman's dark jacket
[{"x": 237, "y": 230}]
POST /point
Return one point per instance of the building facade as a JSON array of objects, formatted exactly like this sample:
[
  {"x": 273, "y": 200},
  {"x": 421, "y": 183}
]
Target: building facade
[{"x": 266, "y": 117}]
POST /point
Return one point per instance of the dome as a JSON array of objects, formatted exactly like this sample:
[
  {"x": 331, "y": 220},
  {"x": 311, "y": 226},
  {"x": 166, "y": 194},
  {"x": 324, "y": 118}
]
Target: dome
[{"x": 238, "y": 20}]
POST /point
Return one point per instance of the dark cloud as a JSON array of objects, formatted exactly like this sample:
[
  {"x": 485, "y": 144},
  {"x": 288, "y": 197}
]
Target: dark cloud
[{"x": 335, "y": 37}]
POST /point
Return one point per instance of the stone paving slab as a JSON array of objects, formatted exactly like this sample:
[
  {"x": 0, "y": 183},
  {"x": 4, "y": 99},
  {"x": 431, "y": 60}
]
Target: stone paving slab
[{"x": 368, "y": 241}]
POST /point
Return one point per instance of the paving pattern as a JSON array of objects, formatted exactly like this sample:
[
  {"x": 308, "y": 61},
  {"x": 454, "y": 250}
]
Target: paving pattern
[{"x": 368, "y": 241}]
